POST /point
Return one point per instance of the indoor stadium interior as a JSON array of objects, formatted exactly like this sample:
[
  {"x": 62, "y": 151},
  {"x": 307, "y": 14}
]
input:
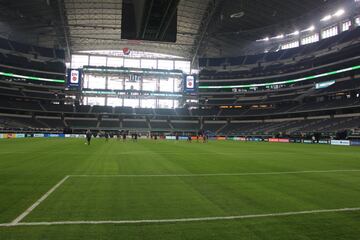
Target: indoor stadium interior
[{"x": 208, "y": 119}]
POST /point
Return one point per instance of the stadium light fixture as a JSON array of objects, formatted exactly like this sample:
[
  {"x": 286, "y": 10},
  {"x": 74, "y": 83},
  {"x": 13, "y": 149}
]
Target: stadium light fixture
[
  {"x": 326, "y": 18},
  {"x": 237, "y": 15},
  {"x": 278, "y": 36},
  {"x": 309, "y": 29},
  {"x": 263, "y": 39},
  {"x": 339, "y": 13},
  {"x": 296, "y": 33}
]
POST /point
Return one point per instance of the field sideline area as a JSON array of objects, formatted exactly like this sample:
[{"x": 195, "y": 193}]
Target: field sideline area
[{"x": 64, "y": 189}]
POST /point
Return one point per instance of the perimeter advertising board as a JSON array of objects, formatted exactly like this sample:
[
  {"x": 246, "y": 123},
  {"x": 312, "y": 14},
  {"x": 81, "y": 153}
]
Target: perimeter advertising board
[{"x": 340, "y": 142}]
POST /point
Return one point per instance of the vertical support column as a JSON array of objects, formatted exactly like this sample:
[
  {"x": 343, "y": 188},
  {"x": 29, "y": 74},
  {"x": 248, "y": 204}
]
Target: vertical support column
[
  {"x": 173, "y": 90},
  {"x": 158, "y": 90},
  {"x": 141, "y": 88},
  {"x": 123, "y": 88},
  {"x": 106, "y": 82},
  {"x": 339, "y": 25}
]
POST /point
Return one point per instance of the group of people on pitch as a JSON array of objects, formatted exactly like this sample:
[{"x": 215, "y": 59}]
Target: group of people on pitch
[
  {"x": 134, "y": 136},
  {"x": 119, "y": 135}
]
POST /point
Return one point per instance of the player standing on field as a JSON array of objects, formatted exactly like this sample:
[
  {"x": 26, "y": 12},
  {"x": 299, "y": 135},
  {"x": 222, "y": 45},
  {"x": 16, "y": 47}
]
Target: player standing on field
[
  {"x": 88, "y": 136},
  {"x": 205, "y": 138}
]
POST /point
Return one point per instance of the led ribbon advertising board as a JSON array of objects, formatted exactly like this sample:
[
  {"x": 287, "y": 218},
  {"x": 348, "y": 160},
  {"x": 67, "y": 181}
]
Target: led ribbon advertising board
[{"x": 284, "y": 82}]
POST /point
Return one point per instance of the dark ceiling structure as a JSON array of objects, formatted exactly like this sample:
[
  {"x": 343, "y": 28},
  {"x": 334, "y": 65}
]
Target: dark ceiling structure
[
  {"x": 149, "y": 20},
  {"x": 204, "y": 27},
  {"x": 238, "y": 24},
  {"x": 34, "y": 21}
]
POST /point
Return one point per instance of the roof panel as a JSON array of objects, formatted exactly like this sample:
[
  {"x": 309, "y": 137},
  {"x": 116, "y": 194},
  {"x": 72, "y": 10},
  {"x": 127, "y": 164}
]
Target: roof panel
[{"x": 97, "y": 25}]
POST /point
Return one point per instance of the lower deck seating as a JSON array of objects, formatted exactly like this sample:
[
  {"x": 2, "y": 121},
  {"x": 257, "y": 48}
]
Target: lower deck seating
[
  {"x": 327, "y": 125},
  {"x": 81, "y": 123},
  {"x": 135, "y": 125},
  {"x": 52, "y": 123},
  {"x": 157, "y": 126},
  {"x": 186, "y": 126},
  {"x": 110, "y": 124},
  {"x": 213, "y": 127},
  {"x": 59, "y": 108},
  {"x": 22, "y": 122}
]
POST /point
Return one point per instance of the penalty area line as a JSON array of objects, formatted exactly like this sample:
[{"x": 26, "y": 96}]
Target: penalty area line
[
  {"x": 179, "y": 220},
  {"x": 218, "y": 174},
  {"x": 37, "y": 203}
]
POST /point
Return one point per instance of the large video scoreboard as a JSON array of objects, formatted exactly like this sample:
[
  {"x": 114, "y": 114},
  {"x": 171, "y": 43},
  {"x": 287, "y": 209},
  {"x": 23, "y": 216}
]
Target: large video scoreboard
[
  {"x": 74, "y": 78},
  {"x": 190, "y": 85}
]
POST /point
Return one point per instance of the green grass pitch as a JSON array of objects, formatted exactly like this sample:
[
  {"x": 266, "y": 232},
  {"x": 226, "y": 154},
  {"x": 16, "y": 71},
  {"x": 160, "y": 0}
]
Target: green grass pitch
[{"x": 165, "y": 180}]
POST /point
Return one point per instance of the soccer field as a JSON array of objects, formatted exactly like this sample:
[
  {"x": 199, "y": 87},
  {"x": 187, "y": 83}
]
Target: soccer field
[{"x": 64, "y": 189}]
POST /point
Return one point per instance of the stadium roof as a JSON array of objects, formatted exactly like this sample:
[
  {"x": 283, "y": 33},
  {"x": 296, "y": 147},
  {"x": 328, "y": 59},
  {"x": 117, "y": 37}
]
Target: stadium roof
[
  {"x": 205, "y": 27},
  {"x": 95, "y": 25}
]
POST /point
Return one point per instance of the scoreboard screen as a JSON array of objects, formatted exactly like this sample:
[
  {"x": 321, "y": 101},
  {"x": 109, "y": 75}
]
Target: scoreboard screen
[
  {"x": 190, "y": 83},
  {"x": 74, "y": 77}
]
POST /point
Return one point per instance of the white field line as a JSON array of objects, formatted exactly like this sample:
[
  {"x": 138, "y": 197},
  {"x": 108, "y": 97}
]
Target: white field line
[
  {"x": 218, "y": 174},
  {"x": 37, "y": 203},
  {"x": 125, "y": 153},
  {"x": 177, "y": 220},
  {"x": 16, "y": 222}
]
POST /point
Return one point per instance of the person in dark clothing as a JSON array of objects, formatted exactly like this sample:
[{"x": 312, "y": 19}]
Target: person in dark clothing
[
  {"x": 88, "y": 136},
  {"x": 205, "y": 138},
  {"x": 106, "y": 136},
  {"x": 118, "y": 136},
  {"x": 124, "y": 137}
]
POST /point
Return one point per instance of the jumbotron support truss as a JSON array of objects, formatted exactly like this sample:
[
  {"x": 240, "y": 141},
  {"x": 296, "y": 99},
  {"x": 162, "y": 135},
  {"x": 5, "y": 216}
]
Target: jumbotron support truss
[{"x": 211, "y": 9}]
